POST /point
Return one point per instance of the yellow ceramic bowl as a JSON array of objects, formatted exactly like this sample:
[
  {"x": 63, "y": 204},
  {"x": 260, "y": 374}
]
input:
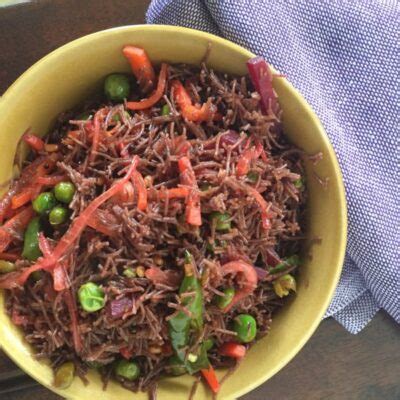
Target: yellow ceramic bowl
[{"x": 69, "y": 75}]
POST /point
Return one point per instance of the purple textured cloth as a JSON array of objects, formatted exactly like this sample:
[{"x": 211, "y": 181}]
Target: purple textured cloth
[{"x": 344, "y": 58}]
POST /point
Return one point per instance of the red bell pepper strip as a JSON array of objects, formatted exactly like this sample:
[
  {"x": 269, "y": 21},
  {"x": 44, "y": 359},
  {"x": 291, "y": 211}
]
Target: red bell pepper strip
[
  {"x": 95, "y": 135},
  {"x": 243, "y": 164},
  {"x": 71, "y": 305},
  {"x": 261, "y": 76},
  {"x": 126, "y": 353},
  {"x": 174, "y": 193},
  {"x": 14, "y": 226},
  {"x": 21, "y": 199},
  {"x": 35, "y": 142},
  {"x": 191, "y": 112},
  {"x": 159, "y": 276},
  {"x": 157, "y": 94},
  {"x": 266, "y": 223},
  {"x": 211, "y": 378},
  {"x": 232, "y": 349},
  {"x": 141, "y": 67},
  {"x": 188, "y": 178},
  {"x": 59, "y": 275},
  {"x": 140, "y": 187},
  {"x": 51, "y": 180},
  {"x": 27, "y": 180},
  {"x": 249, "y": 283},
  {"x": 77, "y": 226}
]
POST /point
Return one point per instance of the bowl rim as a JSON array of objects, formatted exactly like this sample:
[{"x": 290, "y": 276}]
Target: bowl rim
[{"x": 293, "y": 92}]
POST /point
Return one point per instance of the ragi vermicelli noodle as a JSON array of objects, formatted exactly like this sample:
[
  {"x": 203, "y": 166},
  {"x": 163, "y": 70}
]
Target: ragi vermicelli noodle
[{"x": 180, "y": 223}]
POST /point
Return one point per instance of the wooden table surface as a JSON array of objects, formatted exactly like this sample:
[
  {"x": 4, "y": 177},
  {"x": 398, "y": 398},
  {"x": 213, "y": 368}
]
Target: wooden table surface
[{"x": 334, "y": 364}]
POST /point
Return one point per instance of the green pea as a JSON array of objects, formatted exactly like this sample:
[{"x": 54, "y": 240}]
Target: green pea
[
  {"x": 116, "y": 87},
  {"x": 298, "y": 183},
  {"x": 85, "y": 116},
  {"x": 129, "y": 273},
  {"x": 165, "y": 110},
  {"x": 91, "y": 297},
  {"x": 31, "y": 250},
  {"x": 284, "y": 284},
  {"x": 221, "y": 220},
  {"x": 246, "y": 327},
  {"x": 208, "y": 344},
  {"x": 175, "y": 366},
  {"x": 64, "y": 375},
  {"x": 44, "y": 202},
  {"x": 6, "y": 266},
  {"x": 252, "y": 176},
  {"x": 225, "y": 300},
  {"x": 127, "y": 369},
  {"x": 64, "y": 192},
  {"x": 58, "y": 215}
]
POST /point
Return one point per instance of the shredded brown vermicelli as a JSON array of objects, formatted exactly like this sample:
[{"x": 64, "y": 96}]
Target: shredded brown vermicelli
[{"x": 158, "y": 236}]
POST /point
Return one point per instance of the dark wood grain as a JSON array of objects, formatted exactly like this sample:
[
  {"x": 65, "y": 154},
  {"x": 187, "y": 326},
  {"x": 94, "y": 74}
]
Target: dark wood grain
[{"x": 334, "y": 365}]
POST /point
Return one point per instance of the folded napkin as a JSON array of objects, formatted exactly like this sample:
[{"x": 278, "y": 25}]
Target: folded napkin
[{"x": 343, "y": 56}]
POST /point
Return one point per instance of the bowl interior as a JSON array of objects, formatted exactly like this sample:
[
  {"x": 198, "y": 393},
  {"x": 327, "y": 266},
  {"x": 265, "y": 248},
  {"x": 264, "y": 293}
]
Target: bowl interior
[{"x": 69, "y": 75}]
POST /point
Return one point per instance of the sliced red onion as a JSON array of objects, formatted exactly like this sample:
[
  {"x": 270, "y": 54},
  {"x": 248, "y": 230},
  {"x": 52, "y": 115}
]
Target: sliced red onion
[
  {"x": 261, "y": 273},
  {"x": 273, "y": 258},
  {"x": 261, "y": 76},
  {"x": 229, "y": 138},
  {"x": 120, "y": 306}
]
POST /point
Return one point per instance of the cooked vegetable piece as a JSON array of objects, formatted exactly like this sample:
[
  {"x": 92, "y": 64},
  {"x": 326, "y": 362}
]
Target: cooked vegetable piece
[
  {"x": 191, "y": 112},
  {"x": 286, "y": 263},
  {"x": 226, "y": 299},
  {"x": 232, "y": 349},
  {"x": 64, "y": 192},
  {"x": 141, "y": 67},
  {"x": 181, "y": 324},
  {"x": 246, "y": 327},
  {"x": 6, "y": 266},
  {"x": 165, "y": 110},
  {"x": 248, "y": 276},
  {"x": 117, "y": 87},
  {"x": 222, "y": 221},
  {"x": 58, "y": 215},
  {"x": 91, "y": 297},
  {"x": 261, "y": 76},
  {"x": 299, "y": 183},
  {"x": 188, "y": 178},
  {"x": 44, "y": 202},
  {"x": 31, "y": 249},
  {"x": 253, "y": 176},
  {"x": 211, "y": 378},
  {"x": 209, "y": 344},
  {"x": 284, "y": 284},
  {"x": 35, "y": 142},
  {"x": 157, "y": 94},
  {"x": 14, "y": 227},
  {"x": 127, "y": 369},
  {"x": 64, "y": 375}
]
